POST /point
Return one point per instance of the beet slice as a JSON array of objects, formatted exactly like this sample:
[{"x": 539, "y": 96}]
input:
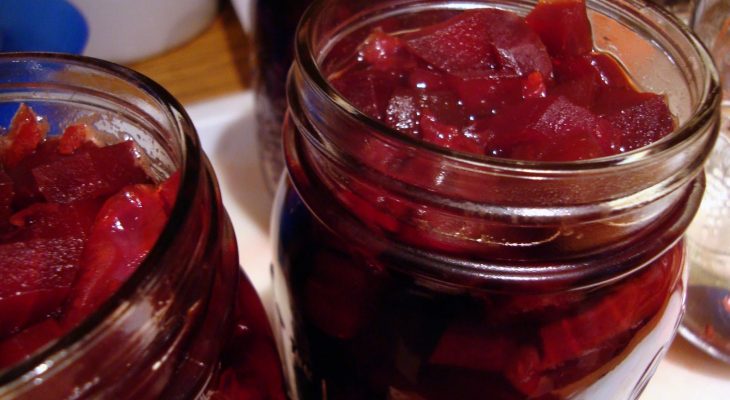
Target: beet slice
[
  {"x": 449, "y": 136},
  {"x": 35, "y": 278},
  {"x": 563, "y": 27},
  {"x": 631, "y": 304},
  {"x": 403, "y": 111},
  {"x": 26, "y": 132},
  {"x": 369, "y": 90},
  {"x": 386, "y": 52},
  {"x": 125, "y": 230},
  {"x": 52, "y": 220},
  {"x": 488, "y": 41},
  {"x": 552, "y": 129},
  {"x": 483, "y": 95},
  {"x": 641, "y": 118},
  {"x": 73, "y": 137},
  {"x": 26, "y": 189},
  {"x": 89, "y": 174}
]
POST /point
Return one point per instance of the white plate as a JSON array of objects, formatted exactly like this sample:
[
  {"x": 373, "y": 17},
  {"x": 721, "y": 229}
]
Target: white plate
[{"x": 225, "y": 128}]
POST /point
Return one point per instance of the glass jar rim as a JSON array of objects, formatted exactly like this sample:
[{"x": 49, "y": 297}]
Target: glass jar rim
[
  {"x": 189, "y": 173},
  {"x": 709, "y": 103}
]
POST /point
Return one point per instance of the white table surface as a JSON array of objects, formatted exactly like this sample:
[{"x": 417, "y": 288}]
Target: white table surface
[{"x": 225, "y": 127}]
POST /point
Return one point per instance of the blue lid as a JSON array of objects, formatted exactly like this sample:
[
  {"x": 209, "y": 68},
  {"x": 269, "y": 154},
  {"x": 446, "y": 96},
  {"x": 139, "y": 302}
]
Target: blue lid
[{"x": 42, "y": 25}]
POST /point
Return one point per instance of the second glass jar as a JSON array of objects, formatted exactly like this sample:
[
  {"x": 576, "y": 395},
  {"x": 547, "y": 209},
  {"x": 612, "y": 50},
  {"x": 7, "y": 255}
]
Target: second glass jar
[{"x": 407, "y": 271}]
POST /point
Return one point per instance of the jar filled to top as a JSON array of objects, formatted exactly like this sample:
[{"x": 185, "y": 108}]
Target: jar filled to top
[
  {"x": 119, "y": 273},
  {"x": 487, "y": 197}
]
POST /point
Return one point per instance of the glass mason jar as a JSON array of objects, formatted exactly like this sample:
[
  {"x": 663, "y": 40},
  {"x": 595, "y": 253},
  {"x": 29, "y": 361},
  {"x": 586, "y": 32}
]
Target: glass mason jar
[
  {"x": 187, "y": 323},
  {"x": 404, "y": 270},
  {"x": 274, "y": 24}
]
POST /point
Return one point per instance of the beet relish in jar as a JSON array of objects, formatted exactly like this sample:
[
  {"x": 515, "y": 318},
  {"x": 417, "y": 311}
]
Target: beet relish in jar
[
  {"x": 487, "y": 198},
  {"x": 119, "y": 275}
]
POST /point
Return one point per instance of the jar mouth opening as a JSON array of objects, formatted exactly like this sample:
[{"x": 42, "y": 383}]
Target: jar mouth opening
[
  {"x": 188, "y": 168},
  {"x": 702, "y": 114}
]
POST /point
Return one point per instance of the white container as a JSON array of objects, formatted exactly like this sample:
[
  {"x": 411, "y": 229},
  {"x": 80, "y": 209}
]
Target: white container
[{"x": 124, "y": 31}]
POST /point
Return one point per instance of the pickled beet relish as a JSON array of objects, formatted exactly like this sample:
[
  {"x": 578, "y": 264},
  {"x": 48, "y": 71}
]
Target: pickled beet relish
[
  {"x": 76, "y": 220},
  {"x": 490, "y": 82},
  {"x": 486, "y": 82}
]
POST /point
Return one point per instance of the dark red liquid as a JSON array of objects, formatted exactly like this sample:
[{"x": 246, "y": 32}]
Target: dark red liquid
[{"x": 359, "y": 317}]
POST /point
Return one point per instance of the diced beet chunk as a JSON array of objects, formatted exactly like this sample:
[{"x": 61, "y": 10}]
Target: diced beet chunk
[
  {"x": 449, "y": 136},
  {"x": 52, "y": 220},
  {"x": 26, "y": 132},
  {"x": 89, "y": 174},
  {"x": 125, "y": 230},
  {"x": 26, "y": 190},
  {"x": 456, "y": 45},
  {"x": 68, "y": 179},
  {"x": 641, "y": 118},
  {"x": 402, "y": 112},
  {"x": 73, "y": 137},
  {"x": 631, "y": 304},
  {"x": 491, "y": 42},
  {"x": 563, "y": 27},
  {"x": 118, "y": 166},
  {"x": 369, "y": 90},
  {"x": 482, "y": 95},
  {"x": 386, "y": 52},
  {"x": 555, "y": 129},
  {"x": 35, "y": 278}
]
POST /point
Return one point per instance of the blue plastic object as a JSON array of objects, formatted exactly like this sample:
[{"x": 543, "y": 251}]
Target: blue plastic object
[{"x": 42, "y": 25}]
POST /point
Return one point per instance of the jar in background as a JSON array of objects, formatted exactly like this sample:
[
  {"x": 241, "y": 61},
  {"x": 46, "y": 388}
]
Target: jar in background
[
  {"x": 404, "y": 270},
  {"x": 274, "y": 24},
  {"x": 187, "y": 323}
]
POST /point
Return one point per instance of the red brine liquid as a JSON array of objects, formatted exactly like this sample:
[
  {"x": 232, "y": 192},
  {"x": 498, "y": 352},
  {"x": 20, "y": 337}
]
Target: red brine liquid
[
  {"x": 485, "y": 82},
  {"x": 77, "y": 218}
]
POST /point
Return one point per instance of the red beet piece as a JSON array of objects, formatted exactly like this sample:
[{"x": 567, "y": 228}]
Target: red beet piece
[
  {"x": 641, "y": 118},
  {"x": 26, "y": 132},
  {"x": 340, "y": 295},
  {"x": 449, "y": 136},
  {"x": 402, "y": 112},
  {"x": 386, "y": 52},
  {"x": 582, "y": 78},
  {"x": 633, "y": 302},
  {"x": 27, "y": 342},
  {"x": 51, "y": 220},
  {"x": 35, "y": 278},
  {"x": 490, "y": 42},
  {"x": 553, "y": 129},
  {"x": 563, "y": 27},
  {"x": 423, "y": 79},
  {"x": 89, "y": 174},
  {"x": 482, "y": 95},
  {"x": 369, "y": 90},
  {"x": 72, "y": 139},
  {"x": 26, "y": 190},
  {"x": 125, "y": 230}
]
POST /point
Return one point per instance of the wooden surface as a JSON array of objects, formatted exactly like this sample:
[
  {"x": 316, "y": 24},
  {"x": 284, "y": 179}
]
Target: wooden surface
[{"x": 213, "y": 64}]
